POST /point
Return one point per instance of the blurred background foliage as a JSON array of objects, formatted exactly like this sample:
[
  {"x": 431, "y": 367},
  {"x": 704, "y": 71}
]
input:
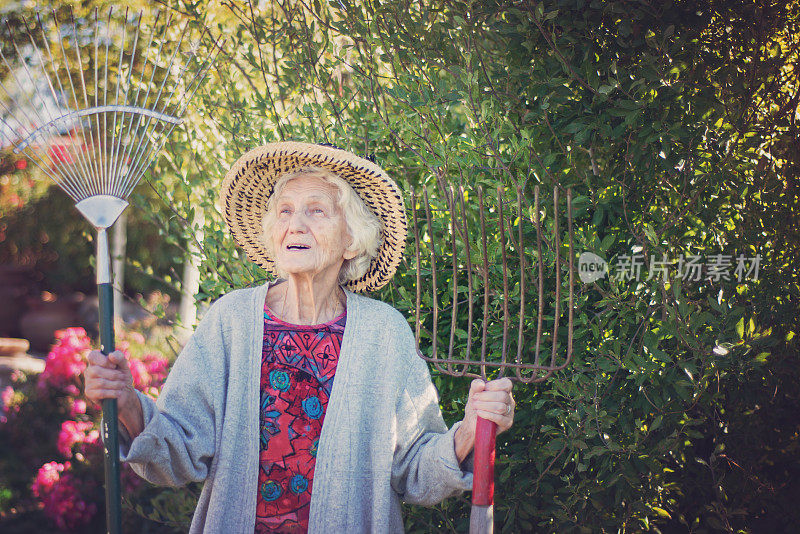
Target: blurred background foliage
[{"x": 675, "y": 125}]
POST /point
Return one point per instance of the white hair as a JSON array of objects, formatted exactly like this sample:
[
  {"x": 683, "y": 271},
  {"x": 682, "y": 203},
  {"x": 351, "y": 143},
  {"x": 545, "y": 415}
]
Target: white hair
[{"x": 363, "y": 226}]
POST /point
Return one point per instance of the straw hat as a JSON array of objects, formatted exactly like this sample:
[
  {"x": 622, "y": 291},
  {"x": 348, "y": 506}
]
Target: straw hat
[{"x": 250, "y": 182}]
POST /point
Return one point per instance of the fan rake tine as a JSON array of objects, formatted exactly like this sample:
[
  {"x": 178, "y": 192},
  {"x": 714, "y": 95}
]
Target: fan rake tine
[
  {"x": 194, "y": 85},
  {"x": 94, "y": 169},
  {"x": 75, "y": 181},
  {"x": 115, "y": 168},
  {"x": 33, "y": 155},
  {"x": 120, "y": 153},
  {"x": 138, "y": 161},
  {"x": 100, "y": 132},
  {"x": 85, "y": 165},
  {"x": 142, "y": 133},
  {"x": 30, "y": 134}
]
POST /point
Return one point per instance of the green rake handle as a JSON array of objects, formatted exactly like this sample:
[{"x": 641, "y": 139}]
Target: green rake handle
[{"x": 105, "y": 293}]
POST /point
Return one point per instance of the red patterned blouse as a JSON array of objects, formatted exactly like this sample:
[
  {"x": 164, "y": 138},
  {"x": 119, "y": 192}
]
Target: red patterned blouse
[{"x": 297, "y": 367}]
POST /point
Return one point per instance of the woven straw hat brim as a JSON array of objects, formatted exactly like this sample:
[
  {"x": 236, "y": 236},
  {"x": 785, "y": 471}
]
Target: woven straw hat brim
[{"x": 250, "y": 182}]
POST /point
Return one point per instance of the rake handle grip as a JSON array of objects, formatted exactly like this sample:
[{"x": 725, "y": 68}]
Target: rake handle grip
[
  {"x": 105, "y": 293},
  {"x": 483, "y": 469}
]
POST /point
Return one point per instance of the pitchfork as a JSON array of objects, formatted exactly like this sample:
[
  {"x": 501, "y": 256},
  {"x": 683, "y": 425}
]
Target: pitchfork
[{"x": 481, "y": 517}]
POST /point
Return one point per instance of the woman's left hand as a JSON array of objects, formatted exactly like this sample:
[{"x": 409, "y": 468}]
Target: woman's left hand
[{"x": 490, "y": 400}]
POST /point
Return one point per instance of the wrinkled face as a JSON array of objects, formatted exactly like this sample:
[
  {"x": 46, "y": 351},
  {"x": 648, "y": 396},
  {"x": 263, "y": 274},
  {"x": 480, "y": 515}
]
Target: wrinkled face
[{"x": 310, "y": 234}]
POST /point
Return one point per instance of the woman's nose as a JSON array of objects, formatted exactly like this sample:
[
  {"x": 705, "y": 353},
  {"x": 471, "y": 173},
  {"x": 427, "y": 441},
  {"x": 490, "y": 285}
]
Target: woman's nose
[{"x": 297, "y": 222}]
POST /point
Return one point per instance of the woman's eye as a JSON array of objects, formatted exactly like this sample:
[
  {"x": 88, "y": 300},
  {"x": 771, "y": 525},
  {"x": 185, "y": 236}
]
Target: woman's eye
[{"x": 318, "y": 211}]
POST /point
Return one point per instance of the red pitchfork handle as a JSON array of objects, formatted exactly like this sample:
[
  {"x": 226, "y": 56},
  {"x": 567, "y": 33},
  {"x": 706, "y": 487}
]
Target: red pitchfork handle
[{"x": 481, "y": 520}]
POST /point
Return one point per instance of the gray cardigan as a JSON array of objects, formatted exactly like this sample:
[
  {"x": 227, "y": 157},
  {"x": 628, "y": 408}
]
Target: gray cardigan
[{"x": 383, "y": 439}]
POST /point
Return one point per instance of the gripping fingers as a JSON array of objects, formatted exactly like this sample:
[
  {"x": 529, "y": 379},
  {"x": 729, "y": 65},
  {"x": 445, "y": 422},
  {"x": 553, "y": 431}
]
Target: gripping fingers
[
  {"x": 491, "y": 406},
  {"x": 501, "y": 384},
  {"x": 97, "y": 358},
  {"x": 107, "y": 374},
  {"x": 102, "y": 384}
]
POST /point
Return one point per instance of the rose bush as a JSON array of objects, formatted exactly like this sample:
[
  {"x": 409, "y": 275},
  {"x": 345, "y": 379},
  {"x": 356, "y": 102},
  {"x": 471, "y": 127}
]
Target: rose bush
[{"x": 62, "y": 476}]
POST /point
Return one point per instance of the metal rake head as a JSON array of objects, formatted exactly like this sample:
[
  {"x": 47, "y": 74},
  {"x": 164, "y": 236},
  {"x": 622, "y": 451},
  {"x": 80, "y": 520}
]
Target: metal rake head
[
  {"x": 91, "y": 100},
  {"x": 502, "y": 255}
]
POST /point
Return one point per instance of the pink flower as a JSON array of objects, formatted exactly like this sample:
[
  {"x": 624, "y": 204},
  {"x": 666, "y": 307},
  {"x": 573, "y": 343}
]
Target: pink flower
[
  {"x": 78, "y": 407},
  {"x": 157, "y": 367},
  {"x": 66, "y": 361},
  {"x": 141, "y": 378},
  {"x": 64, "y": 503},
  {"x": 7, "y": 404},
  {"x": 6, "y": 397},
  {"x": 46, "y": 477},
  {"x": 149, "y": 371},
  {"x": 73, "y": 432}
]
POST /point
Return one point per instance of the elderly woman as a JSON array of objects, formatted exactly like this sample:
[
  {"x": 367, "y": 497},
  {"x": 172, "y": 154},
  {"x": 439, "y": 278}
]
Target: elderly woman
[{"x": 303, "y": 383}]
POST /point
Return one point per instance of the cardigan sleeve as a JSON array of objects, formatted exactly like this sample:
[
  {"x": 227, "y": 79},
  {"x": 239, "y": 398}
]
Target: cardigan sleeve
[
  {"x": 425, "y": 469},
  {"x": 178, "y": 441}
]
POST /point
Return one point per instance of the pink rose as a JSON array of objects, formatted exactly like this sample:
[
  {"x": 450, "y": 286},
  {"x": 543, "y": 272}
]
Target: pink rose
[
  {"x": 64, "y": 504},
  {"x": 6, "y": 397},
  {"x": 141, "y": 378},
  {"x": 73, "y": 432},
  {"x": 47, "y": 476},
  {"x": 78, "y": 407},
  {"x": 66, "y": 361}
]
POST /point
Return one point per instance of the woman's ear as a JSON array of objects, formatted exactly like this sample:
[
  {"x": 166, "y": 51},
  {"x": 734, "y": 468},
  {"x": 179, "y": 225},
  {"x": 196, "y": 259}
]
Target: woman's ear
[{"x": 349, "y": 252}]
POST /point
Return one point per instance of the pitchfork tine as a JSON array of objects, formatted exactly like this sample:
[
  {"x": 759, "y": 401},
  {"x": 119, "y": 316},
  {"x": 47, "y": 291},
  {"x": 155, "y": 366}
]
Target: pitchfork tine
[
  {"x": 434, "y": 330},
  {"x": 538, "y": 222},
  {"x": 501, "y": 222},
  {"x": 454, "y": 256},
  {"x": 485, "y": 325},
  {"x": 521, "y": 247},
  {"x": 416, "y": 257},
  {"x": 469, "y": 271},
  {"x": 571, "y": 280},
  {"x": 558, "y": 278}
]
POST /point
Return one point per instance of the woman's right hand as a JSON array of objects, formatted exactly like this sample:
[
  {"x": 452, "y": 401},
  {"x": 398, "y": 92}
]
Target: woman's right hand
[{"x": 109, "y": 377}]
